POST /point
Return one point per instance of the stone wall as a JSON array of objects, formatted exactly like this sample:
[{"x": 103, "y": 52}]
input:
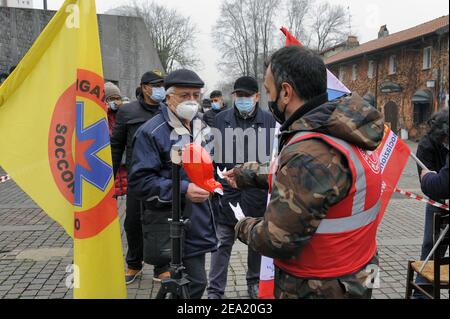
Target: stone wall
[{"x": 127, "y": 49}]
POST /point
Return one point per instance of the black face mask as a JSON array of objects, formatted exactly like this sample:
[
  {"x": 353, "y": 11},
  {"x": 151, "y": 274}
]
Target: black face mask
[{"x": 280, "y": 116}]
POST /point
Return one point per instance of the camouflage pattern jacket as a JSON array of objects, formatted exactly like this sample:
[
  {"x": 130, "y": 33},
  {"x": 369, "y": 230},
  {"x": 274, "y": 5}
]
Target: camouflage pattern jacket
[{"x": 312, "y": 176}]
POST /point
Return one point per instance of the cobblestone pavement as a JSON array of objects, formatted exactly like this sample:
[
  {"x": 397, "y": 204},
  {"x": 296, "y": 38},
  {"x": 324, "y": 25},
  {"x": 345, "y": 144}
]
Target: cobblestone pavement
[{"x": 35, "y": 252}]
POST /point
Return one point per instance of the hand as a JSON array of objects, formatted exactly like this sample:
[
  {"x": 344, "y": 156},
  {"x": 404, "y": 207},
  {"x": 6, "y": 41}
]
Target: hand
[
  {"x": 196, "y": 194},
  {"x": 230, "y": 177}
]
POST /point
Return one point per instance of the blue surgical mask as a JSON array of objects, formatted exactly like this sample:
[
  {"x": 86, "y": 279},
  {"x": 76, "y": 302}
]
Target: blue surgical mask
[
  {"x": 216, "y": 106},
  {"x": 113, "y": 106},
  {"x": 245, "y": 105},
  {"x": 159, "y": 94}
]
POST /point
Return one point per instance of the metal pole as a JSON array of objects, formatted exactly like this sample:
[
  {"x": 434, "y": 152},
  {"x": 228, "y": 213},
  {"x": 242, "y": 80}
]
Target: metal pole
[
  {"x": 418, "y": 161},
  {"x": 176, "y": 228},
  {"x": 441, "y": 238},
  {"x": 45, "y": 4}
]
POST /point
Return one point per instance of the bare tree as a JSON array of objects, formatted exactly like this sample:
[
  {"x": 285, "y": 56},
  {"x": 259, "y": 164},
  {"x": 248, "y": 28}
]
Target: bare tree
[
  {"x": 298, "y": 14},
  {"x": 244, "y": 33},
  {"x": 232, "y": 33},
  {"x": 329, "y": 25},
  {"x": 267, "y": 12},
  {"x": 173, "y": 35}
]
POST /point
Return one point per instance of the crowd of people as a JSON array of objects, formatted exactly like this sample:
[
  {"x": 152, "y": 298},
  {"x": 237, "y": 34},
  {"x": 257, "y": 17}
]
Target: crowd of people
[{"x": 319, "y": 225}]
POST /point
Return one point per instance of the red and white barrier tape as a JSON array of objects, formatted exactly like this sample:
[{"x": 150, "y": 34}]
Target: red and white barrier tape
[
  {"x": 422, "y": 199},
  {"x": 4, "y": 179}
]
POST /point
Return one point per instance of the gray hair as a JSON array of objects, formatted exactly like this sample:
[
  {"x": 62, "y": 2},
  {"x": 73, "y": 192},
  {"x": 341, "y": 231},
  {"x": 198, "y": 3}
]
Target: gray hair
[{"x": 170, "y": 91}]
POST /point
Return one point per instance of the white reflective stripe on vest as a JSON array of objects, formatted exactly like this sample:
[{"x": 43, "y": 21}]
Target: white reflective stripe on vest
[
  {"x": 360, "y": 185},
  {"x": 360, "y": 217},
  {"x": 341, "y": 225}
]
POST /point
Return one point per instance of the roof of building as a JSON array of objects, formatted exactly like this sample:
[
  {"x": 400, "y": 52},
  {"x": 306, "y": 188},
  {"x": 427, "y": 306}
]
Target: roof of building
[{"x": 392, "y": 40}]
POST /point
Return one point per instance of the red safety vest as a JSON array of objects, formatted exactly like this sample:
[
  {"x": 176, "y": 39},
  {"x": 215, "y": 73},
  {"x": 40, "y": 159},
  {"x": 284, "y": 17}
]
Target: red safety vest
[{"x": 345, "y": 240}]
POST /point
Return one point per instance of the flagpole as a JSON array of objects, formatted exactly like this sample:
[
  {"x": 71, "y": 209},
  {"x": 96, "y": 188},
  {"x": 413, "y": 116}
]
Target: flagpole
[{"x": 418, "y": 161}]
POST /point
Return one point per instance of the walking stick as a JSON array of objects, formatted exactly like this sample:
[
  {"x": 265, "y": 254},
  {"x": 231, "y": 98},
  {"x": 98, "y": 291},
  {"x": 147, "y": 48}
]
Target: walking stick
[{"x": 441, "y": 238}]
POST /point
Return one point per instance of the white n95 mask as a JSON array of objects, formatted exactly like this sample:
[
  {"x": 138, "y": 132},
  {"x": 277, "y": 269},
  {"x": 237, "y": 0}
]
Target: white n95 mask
[{"x": 188, "y": 110}]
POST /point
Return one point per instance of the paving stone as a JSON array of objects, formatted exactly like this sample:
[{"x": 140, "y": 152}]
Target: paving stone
[{"x": 399, "y": 240}]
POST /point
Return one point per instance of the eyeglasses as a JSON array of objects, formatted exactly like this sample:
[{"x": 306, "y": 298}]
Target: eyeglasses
[{"x": 188, "y": 96}]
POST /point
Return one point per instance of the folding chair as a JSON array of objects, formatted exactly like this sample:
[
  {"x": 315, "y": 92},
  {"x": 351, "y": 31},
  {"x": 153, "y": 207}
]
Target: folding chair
[{"x": 435, "y": 271}]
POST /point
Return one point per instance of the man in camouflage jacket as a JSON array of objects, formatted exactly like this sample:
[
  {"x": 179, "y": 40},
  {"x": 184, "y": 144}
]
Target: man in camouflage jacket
[{"x": 311, "y": 176}]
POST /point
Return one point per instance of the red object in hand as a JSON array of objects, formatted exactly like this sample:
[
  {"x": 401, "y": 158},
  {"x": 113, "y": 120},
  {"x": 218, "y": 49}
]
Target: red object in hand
[{"x": 199, "y": 168}]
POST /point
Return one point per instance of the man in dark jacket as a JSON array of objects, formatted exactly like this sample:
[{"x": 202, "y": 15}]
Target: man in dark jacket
[
  {"x": 129, "y": 119},
  {"x": 433, "y": 152},
  {"x": 435, "y": 185},
  {"x": 217, "y": 106},
  {"x": 150, "y": 178},
  {"x": 244, "y": 130}
]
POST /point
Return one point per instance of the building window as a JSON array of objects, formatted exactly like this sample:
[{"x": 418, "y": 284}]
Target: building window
[
  {"x": 427, "y": 58},
  {"x": 422, "y": 113},
  {"x": 392, "y": 64},
  {"x": 371, "y": 69},
  {"x": 354, "y": 72},
  {"x": 341, "y": 73}
]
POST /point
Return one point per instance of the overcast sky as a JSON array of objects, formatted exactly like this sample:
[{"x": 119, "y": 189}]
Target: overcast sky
[{"x": 367, "y": 17}]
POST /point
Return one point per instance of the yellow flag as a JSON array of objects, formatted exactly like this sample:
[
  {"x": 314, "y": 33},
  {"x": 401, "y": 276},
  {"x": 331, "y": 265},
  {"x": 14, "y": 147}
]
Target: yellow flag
[{"x": 54, "y": 143}]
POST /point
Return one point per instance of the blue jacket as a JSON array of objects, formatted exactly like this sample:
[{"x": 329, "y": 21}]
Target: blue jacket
[
  {"x": 436, "y": 186},
  {"x": 150, "y": 178},
  {"x": 230, "y": 152}
]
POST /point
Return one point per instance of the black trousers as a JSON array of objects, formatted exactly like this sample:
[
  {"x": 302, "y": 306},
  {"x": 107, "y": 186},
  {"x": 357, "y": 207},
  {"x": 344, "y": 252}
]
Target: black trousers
[
  {"x": 133, "y": 230},
  {"x": 195, "y": 269},
  {"x": 220, "y": 261}
]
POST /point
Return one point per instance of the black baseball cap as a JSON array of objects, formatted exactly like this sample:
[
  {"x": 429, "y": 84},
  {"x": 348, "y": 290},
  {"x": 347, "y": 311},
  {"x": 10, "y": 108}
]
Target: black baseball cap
[
  {"x": 183, "y": 78},
  {"x": 215, "y": 94},
  {"x": 246, "y": 84},
  {"x": 152, "y": 77}
]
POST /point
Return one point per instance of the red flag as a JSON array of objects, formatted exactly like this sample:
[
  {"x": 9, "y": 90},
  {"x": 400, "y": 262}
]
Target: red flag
[
  {"x": 290, "y": 39},
  {"x": 394, "y": 155}
]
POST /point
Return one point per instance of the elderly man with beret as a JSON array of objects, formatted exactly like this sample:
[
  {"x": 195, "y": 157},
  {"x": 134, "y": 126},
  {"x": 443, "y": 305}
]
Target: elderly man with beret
[{"x": 150, "y": 177}]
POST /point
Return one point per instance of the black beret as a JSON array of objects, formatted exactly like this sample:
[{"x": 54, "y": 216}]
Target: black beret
[
  {"x": 246, "y": 84},
  {"x": 152, "y": 77},
  {"x": 183, "y": 78}
]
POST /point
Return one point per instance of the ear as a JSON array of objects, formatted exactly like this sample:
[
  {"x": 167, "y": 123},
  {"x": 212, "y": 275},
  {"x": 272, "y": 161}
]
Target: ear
[
  {"x": 258, "y": 97},
  {"x": 286, "y": 93}
]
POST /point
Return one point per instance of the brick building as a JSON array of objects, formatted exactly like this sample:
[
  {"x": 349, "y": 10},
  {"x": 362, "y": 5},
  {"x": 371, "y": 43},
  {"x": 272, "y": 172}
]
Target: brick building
[{"x": 405, "y": 74}]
